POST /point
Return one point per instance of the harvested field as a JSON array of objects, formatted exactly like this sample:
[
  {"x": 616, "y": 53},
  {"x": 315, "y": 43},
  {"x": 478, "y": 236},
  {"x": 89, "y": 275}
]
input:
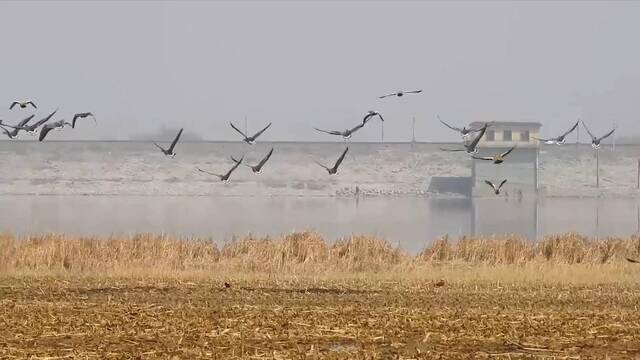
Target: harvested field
[{"x": 299, "y": 297}]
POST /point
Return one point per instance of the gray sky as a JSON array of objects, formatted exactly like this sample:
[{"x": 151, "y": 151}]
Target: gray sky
[{"x": 141, "y": 66}]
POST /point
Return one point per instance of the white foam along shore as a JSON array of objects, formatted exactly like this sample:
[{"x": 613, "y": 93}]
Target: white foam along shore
[{"x": 369, "y": 169}]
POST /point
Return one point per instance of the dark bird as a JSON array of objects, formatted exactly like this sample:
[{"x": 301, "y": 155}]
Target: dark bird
[
  {"x": 463, "y": 131},
  {"x": 32, "y": 128},
  {"x": 496, "y": 189},
  {"x": 346, "y": 134},
  {"x": 169, "y": 151},
  {"x": 250, "y": 139},
  {"x": 81, "y": 116},
  {"x": 19, "y": 126},
  {"x": 225, "y": 177},
  {"x": 595, "y": 141},
  {"x": 334, "y": 169},
  {"x": 58, "y": 125},
  {"x": 634, "y": 261},
  {"x": 559, "y": 140},
  {"x": 497, "y": 159},
  {"x": 22, "y": 104},
  {"x": 257, "y": 168},
  {"x": 370, "y": 114},
  {"x": 400, "y": 93},
  {"x": 472, "y": 147}
]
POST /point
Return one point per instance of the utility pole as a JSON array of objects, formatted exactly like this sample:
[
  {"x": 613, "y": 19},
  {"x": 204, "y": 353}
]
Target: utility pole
[
  {"x": 597, "y": 168},
  {"x": 613, "y": 146},
  {"x": 413, "y": 130},
  {"x": 245, "y": 125},
  {"x": 578, "y": 133},
  {"x": 381, "y": 131}
]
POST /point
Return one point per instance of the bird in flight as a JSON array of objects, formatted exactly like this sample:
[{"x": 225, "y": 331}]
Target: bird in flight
[
  {"x": 225, "y": 177},
  {"x": 250, "y": 139},
  {"x": 370, "y": 114},
  {"x": 400, "y": 93},
  {"x": 58, "y": 125},
  {"x": 19, "y": 126},
  {"x": 22, "y": 104},
  {"x": 497, "y": 159},
  {"x": 595, "y": 141},
  {"x": 472, "y": 147},
  {"x": 33, "y": 127},
  {"x": 257, "y": 168},
  {"x": 559, "y": 140},
  {"x": 81, "y": 116},
  {"x": 346, "y": 134},
  {"x": 496, "y": 189},
  {"x": 169, "y": 151},
  {"x": 463, "y": 131},
  {"x": 334, "y": 169}
]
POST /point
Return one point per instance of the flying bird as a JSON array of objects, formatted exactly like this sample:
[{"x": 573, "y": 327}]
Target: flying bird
[
  {"x": 19, "y": 126},
  {"x": 81, "y": 116},
  {"x": 463, "y": 131},
  {"x": 595, "y": 141},
  {"x": 250, "y": 139},
  {"x": 400, "y": 93},
  {"x": 22, "y": 104},
  {"x": 225, "y": 177},
  {"x": 257, "y": 168},
  {"x": 169, "y": 151},
  {"x": 496, "y": 189},
  {"x": 346, "y": 134},
  {"x": 334, "y": 169},
  {"x": 32, "y": 128},
  {"x": 472, "y": 147},
  {"x": 559, "y": 140},
  {"x": 58, "y": 125},
  {"x": 370, "y": 114},
  {"x": 497, "y": 159}
]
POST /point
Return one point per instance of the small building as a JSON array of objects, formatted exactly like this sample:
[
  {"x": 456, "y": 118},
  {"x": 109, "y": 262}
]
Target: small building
[{"x": 520, "y": 167}]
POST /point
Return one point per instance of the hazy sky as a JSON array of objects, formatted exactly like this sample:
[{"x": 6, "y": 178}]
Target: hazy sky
[{"x": 141, "y": 66}]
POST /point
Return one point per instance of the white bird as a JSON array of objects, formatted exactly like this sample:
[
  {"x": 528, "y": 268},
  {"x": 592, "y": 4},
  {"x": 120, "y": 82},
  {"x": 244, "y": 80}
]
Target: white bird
[
  {"x": 81, "y": 116},
  {"x": 497, "y": 159},
  {"x": 370, "y": 114},
  {"x": 225, "y": 177},
  {"x": 58, "y": 125},
  {"x": 334, "y": 170},
  {"x": 257, "y": 168},
  {"x": 169, "y": 151},
  {"x": 346, "y": 134},
  {"x": 472, "y": 147},
  {"x": 559, "y": 140},
  {"x": 463, "y": 131},
  {"x": 250, "y": 139},
  {"x": 496, "y": 189},
  {"x": 23, "y": 104},
  {"x": 595, "y": 141}
]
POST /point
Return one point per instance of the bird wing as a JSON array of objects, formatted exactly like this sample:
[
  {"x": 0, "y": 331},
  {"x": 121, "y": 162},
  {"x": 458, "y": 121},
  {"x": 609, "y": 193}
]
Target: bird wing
[
  {"x": 476, "y": 140},
  {"x": 317, "y": 162},
  {"x": 235, "y": 166},
  {"x": 413, "y": 92},
  {"x": 159, "y": 147},
  {"x": 384, "y": 96},
  {"x": 502, "y": 183},
  {"x": 265, "y": 159},
  {"x": 234, "y": 159},
  {"x": 13, "y": 104},
  {"x": 206, "y": 172},
  {"x": 571, "y": 130},
  {"x": 633, "y": 260},
  {"x": 380, "y": 116},
  {"x": 449, "y": 126},
  {"x": 339, "y": 161},
  {"x": 482, "y": 157},
  {"x": 331, "y": 132},
  {"x": 606, "y": 135},
  {"x": 32, "y": 104},
  {"x": 44, "y": 131},
  {"x": 541, "y": 139},
  {"x": 587, "y": 128},
  {"x": 507, "y": 152},
  {"x": 238, "y": 130},
  {"x": 25, "y": 121},
  {"x": 261, "y": 131},
  {"x": 452, "y": 149},
  {"x": 367, "y": 118},
  {"x": 490, "y": 184},
  {"x": 356, "y": 128},
  {"x": 42, "y": 121},
  {"x": 175, "y": 141}
]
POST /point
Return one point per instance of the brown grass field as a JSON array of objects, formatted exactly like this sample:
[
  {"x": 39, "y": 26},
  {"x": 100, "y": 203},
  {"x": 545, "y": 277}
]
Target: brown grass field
[{"x": 299, "y": 297}]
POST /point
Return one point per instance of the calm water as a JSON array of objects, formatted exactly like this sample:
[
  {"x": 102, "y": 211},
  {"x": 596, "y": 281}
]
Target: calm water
[{"x": 410, "y": 222}]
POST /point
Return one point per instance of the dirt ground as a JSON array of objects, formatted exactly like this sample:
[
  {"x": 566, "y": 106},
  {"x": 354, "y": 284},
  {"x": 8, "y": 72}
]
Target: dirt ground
[{"x": 53, "y": 317}]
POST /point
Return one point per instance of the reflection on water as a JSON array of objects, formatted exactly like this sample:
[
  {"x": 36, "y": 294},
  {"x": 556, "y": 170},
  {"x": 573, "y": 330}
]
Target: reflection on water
[{"x": 409, "y": 222}]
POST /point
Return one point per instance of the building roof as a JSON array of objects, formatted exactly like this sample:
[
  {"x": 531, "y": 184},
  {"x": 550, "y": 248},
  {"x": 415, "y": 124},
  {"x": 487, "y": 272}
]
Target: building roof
[{"x": 508, "y": 123}]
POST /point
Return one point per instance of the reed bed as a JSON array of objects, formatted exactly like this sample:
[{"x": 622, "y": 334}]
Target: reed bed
[{"x": 299, "y": 253}]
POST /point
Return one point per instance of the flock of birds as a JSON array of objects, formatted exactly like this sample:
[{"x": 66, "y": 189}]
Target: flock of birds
[
  {"x": 43, "y": 124},
  {"x": 468, "y": 146}
]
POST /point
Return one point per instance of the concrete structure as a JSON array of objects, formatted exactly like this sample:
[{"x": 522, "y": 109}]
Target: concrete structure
[{"x": 520, "y": 167}]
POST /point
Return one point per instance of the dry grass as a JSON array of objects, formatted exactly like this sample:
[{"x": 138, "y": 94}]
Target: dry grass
[{"x": 300, "y": 297}]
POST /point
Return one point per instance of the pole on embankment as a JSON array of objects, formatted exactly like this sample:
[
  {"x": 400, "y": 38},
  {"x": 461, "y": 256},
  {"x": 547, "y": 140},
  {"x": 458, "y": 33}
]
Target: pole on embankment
[
  {"x": 638, "y": 173},
  {"x": 597, "y": 168}
]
